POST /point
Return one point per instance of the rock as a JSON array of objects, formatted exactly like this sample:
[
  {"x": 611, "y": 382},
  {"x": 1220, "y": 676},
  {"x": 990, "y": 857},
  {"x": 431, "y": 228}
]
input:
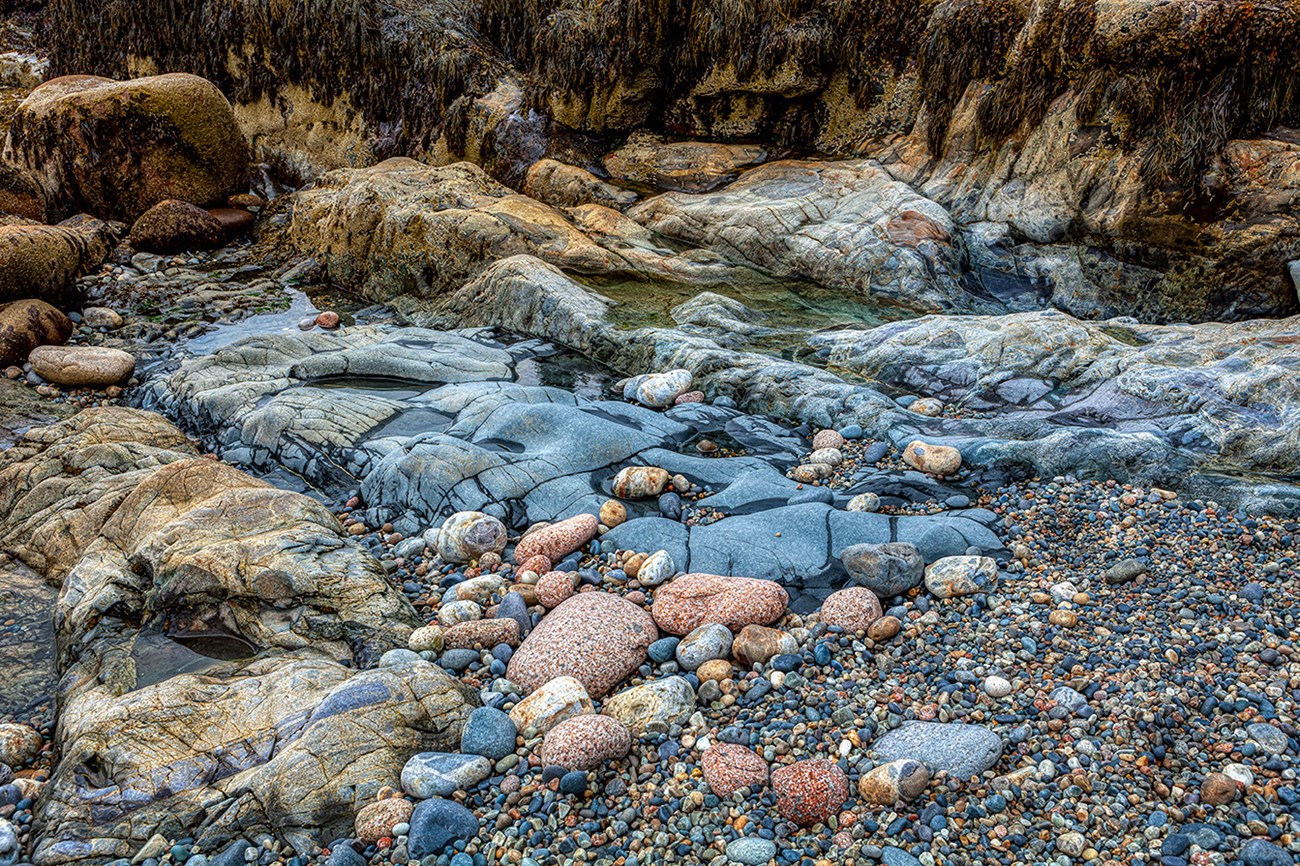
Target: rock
[
  {"x": 377, "y": 820},
  {"x": 481, "y": 634},
  {"x": 657, "y": 569},
  {"x": 595, "y": 637},
  {"x": 19, "y": 744},
  {"x": 864, "y": 502},
  {"x": 82, "y": 366},
  {"x": 612, "y": 513},
  {"x": 853, "y": 609},
  {"x": 640, "y": 482},
  {"x": 454, "y": 612},
  {"x": 934, "y": 459},
  {"x": 24, "y": 325},
  {"x": 551, "y": 703},
  {"x": 173, "y": 226},
  {"x": 957, "y": 749},
  {"x": 997, "y": 687},
  {"x": 561, "y": 185},
  {"x": 884, "y": 628},
  {"x": 234, "y": 221},
  {"x": 116, "y": 148},
  {"x": 585, "y": 742},
  {"x": 809, "y": 473},
  {"x": 714, "y": 669},
  {"x": 1261, "y": 852},
  {"x": 661, "y": 390},
  {"x": 702, "y": 644},
  {"x": 751, "y": 851},
  {"x": 830, "y": 456},
  {"x": 488, "y": 732},
  {"x": 1070, "y": 699},
  {"x": 441, "y": 774},
  {"x": 101, "y": 317},
  {"x": 955, "y": 576},
  {"x": 887, "y": 570},
  {"x": 927, "y": 406},
  {"x": 1071, "y": 844},
  {"x": 687, "y": 602},
  {"x": 892, "y": 783},
  {"x": 515, "y": 606},
  {"x": 559, "y": 539},
  {"x": 329, "y": 320},
  {"x": 553, "y": 588},
  {"x": 756, "y": 644},
  {"x": 810, "y": 791},
  {"x": 21, "y": 194},
  {"x": 44, "y": 262},
  {"x": 655, "y": 705},
  {"x": 729, "y": 767},
  {"x": 1218, "y": 789},
  {"x": 647, "y": 160},
  {"x": 828, "y": 439},
  {"x": 467, "y": 535},
  {"x": 436, "y": 824},
  {"x": 1125, "y": 570},
  {"x": 481, "y": 590},
  {"x": 1270, "y": 738}
]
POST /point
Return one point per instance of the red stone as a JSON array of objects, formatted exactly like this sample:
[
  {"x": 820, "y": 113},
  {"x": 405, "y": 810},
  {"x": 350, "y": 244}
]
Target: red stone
[{"x": 809, "y": 792}]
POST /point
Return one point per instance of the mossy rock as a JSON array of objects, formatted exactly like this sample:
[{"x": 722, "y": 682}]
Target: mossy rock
[
  {"x": 174, "y": 226},
  {"x": 116, "y": 148},
  {"x": 39, "y": 261},
  {"x": 29, "y": 323}
]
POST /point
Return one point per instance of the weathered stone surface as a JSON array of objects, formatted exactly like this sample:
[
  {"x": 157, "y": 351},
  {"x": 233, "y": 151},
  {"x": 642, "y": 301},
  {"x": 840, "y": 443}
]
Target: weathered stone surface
[
  {"x": 652, "y": 706},
  {"x": 377, "y": 820},
  {"x": 559, "y": 539},
  {"x": 954, "y": 576},
  {"x": 703, "y": 644},
  {"x": 482, "y": 634},
  {"x": 894, "y": 782},
  {"x": 585, "y": 742},
  {"x": 957, "y": 749},
  {"x": 561, "y": 185},
  {"x": 467, "y": 535},
  {"x": 728, "y": 767},
  {"x": 640, "y": 482},
  {"x": 689, "y": 601},
  {"x": 594, "y": 637},
  {"x": 116, "y": 148},
  {"x": 935, "y": 459},
  {"x": 44, "y": 262},
  {"x": 810, "y": 791},
  {"x": 24, "y": 325},
  {"x": 886, "y": 569},
  {"x": 82, "y": 366},
  {"x": 853, "y": 609},
  {"x": 154, "y": 549},
  {"x": 173, "y": 226},
  {"x": 685, "y": 166},
  {"x": 755, "y": 644}
]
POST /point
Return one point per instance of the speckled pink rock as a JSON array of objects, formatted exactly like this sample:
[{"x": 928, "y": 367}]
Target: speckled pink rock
[
  {"x": 536, "y": 564},
  {"x": 559, "y": 539},
  {"x": 595, "y": 637},
  {"x": 690, "y": 397},
  {"x": 827, "y": 439},
  {"x": 481, "y": 634},
  {"x": 728, "y": 767},
  {"x": 585, "y": 742},
  {"x": 853, "y": 609},
  {"x": 690, "y": 601},
  {"x": 553, "y": 588},
  {"x": 377, "y": 820},
  {"x": 809, "y": 792}
]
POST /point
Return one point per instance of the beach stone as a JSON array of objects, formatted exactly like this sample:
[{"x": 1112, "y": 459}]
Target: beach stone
[
  {"x": 661, "y": 390},
  {"x": 174, "y": 226},
  {"x": 751, "y": 851},
  {"x": 488, "y": 732},
  {"x": 585, "y": 742},
  {"x": 884, "y": 628},
  {"x": 467, "y": 535},
  {"x": 640, "y": 482},
  {"x": 657, "y": 569},
  {"x": 687, "y": 602},
  {"x": 377, "y": 820},
  {"x": 808, "y": 473},
  {"x": 809, "y": 792},
  {"x": 887, "y": 569},
  {"x": 479, "y": 590},
  {"x": 894, "y": 782},
  {"x": 1071, "y": 844},
  {"x": 869, "y": 502},
  {"x": 729, "y": 767},
  {"x": 955, "y": 576},
  {"x": 830, "y": 456},
  {"x": 26, "y": 324},
  {"x": 559, "y": 539},
  {"x": 934, "y": 459},
  {"x": 101, "y": 317},
  {"x": 441, "y": 774},
  {"x": 658, "y": 704},
  {"x": 596, "y": 637},
  {"x": 553, "y": 588},
  {"x": 955, "y": 748},
  {"x": 1125, "y": 570},
  {"x": 1260, "y": 852},
  {"x": 927, "y": 406},
  {"x": 82, "y": 366},
  {"x": 436, "y": 824},
  {"x": 997, "y": 687},
  {"x": 454, "y": 612},
  {"x": 828, "y": 439},
  {"x": 481, "y": 634},
  {"x": 551, "y": 703},
  {"x": 1268, "y": 737},
  {"x": 709, "y": 641},
  {"x": 853, "y": 609},
  {"x": 514, "y": 605},
  {"x": 756, "y": 644},
  {"x": 613, "y": 513},
  {"x": 714, "y": 669},
  {"x": 1070, "y": 699},
  {"x": 1218, "y": 789},
  {"x": 43, "y": 262},
  {"x": 19, "y": 744}
]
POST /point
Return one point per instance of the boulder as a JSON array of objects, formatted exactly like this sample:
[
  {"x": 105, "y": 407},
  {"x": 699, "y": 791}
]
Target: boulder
[
  {"x": 117, "y": 148},
  {"x": 82, "y": 366},
  {"x": 955, "y": 748},
  {"x": 467, "y": 535},
  {"x": 887, "y": 569},
  {"x": 44, "y": 262},
  {"x": 650, "y": 161},
  {"x": 24, "y": 325},
  {"x": 729, "y": 767},
  {"x": 21, "y": 194},
  {"x": 810, "y": 791},
  {"x": 853, "y": 609},
  {"x": 551, "y": 703},
  {"x": 561, "y": 185},
  {"x": 687, "y": 602},
  {"x": 174, "y": 226},
  {"x": 594, "y": 637},
  {"x": 441, "y": 774},
  {"x": 585, "y": 743},
  {"x": 437, "y": 824},
  {"x": 653, "y": 706}
]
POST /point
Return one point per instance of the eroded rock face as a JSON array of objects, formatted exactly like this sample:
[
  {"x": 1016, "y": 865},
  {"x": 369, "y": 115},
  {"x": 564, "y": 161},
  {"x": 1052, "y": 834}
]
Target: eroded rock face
[
  {"x": 116, "y": 148},
  {"x": 199, "y": 601}
]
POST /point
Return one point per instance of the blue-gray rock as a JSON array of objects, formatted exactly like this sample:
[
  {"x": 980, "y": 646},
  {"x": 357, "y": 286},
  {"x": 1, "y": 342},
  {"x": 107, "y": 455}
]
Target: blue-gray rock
[
  {"x": 574, "y": 784},
  {"x": 1268, "y": 737},
  {"x": 664, "y": 649},
  {"x": 1071, "y": 700},
  {"x": 488, "y": 732},
  {"x": 341, "y": 854},
  {"x": 457, "y": 660},
  {"x": 709, "y": 641},
  {"x": 1257, "y": 852},
  {"x": 514, "y": 607},
  {"x": 436, "y": 823},
  {"x": 892, "y": 856},
  {"x": 441, "y": 774},
  {"x": 958, "y": 749},
  {"x": 886, "y": 569},
  {"x": 751, "y": 851}
]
